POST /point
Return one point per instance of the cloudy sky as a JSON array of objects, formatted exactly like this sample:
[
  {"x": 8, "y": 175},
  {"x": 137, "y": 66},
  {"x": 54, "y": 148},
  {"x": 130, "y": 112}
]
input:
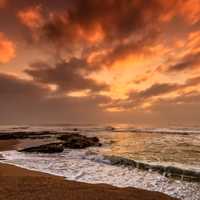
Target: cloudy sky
[{"x": 100, "y": 61}]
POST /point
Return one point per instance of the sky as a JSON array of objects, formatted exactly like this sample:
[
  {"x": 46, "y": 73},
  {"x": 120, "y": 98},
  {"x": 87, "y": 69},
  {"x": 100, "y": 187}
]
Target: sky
[{"x": 100, "y": 61}]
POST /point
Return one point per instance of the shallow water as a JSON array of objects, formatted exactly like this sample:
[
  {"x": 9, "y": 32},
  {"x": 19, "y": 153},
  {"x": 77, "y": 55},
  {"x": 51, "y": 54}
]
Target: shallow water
[
  {"x": 163, "y": 148},
  {"x": 169, "y": 146}
]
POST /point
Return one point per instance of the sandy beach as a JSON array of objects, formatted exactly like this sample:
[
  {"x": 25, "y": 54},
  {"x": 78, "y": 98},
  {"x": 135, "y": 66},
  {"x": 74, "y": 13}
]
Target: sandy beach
[{"x": 21, "y": 184}]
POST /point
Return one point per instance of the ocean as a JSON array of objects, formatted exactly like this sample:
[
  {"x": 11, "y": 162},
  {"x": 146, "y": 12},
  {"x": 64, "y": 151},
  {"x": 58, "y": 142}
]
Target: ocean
[{"x": 167, "y": 147}]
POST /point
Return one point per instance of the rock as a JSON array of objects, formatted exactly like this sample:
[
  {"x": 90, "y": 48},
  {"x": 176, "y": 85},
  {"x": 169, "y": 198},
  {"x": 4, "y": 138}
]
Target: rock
[
  {"x": 191, "y": 179},
  {"x": 115, "y": 160},
  {"x": 95, "y": 139},
  {"x": 10, "y": 136},
  {"x": 158, "y": 168},
  {"x": 110, "y": 128},
  {"x": 1, "y": 157},
  {"x": 77, "y": 141},
  {"x": 191, "y": 173},
  {"x": 143, "y": 166},
  {"x": 168, "y": 171},
  {"x": 173, "y": 170},
  {"x": 45, "y": 148},
  {"x": 24, "y": 135}
]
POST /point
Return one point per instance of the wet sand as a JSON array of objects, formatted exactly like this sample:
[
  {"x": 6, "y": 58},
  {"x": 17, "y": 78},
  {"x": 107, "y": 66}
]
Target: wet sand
[{"x": 21, "y": 184}]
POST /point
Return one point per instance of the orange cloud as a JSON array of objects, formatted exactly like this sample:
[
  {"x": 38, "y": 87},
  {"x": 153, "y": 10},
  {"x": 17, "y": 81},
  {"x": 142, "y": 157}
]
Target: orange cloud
[
  {"x": 92, "y": 36},
  {"x": 7, "y": 49},
  {"x": 31, "y": 17},
  {"x": 189, "y": 10},
  {"x": 3, "y": 3},
  {"x": 122, "y": 46}
]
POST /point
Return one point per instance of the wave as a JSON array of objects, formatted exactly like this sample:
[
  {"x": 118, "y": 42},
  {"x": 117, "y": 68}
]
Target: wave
[
  {"x": 99, "y": 128},
  {"x": 177, "y": 171}
]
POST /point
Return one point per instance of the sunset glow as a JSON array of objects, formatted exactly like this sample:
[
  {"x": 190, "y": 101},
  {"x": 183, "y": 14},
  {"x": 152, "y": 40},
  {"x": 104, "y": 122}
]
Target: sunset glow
[{"x": 110, "y": 59}]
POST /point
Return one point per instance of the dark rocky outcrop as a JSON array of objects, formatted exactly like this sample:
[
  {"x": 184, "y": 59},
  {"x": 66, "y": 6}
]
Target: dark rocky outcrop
[
  {"x": 110, "y": 128},
  {"x": 158, "y": 168},
  {"x": 114, "y": 160},
  {"x": 1, "y": 157},
  {"x": 45, "y": 148},
  {"x": 168, "y": 171},
  {"x": 70, "y": 140},
  {"x": 77, "y": 141},
  {"x": 24, "y": 135}
]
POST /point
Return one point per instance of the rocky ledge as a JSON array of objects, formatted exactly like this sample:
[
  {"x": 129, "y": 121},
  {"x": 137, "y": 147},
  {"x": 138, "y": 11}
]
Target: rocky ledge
[
  {"x": 45, "y": 148},
  {"x": 168, "y": 171},
  {"x": 77, "y": 141},
  {"x": 72, "y": 141},
  {"x": 25, "y": 135}
]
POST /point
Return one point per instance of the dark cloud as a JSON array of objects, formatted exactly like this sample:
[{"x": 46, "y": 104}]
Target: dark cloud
[
  {"x": 75, "y": 38},
  {"x": 23, "y": 101},
  {"x": 188, "y": 62},
  {"x": 18, "y": 98},
  {"x": 11, "y": 85},
  {"x": 74, "y": 26},
  {"x": 117, "y": 18},
  {"x": 68, "y": 76},
  {"x": 193, "y": 81},
  {"x": 139, "y": 46},
  {"x": 180, "y": 110},
  {"x": 158, "y": 89},
  {"x": 138, "y": 98}
]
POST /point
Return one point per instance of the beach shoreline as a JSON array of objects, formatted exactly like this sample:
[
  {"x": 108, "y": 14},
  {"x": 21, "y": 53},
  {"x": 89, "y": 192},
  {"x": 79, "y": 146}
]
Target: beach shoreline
[{"x": 18, "y": 183}]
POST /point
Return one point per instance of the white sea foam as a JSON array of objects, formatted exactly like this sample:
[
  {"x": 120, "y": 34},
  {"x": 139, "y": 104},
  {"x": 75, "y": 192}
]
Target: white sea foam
[{"x": 86, "y": 166}]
